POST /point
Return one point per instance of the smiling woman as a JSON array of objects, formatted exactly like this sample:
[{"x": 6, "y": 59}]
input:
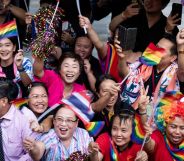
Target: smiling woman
[
  {"x": 14, "y": 65},
  {"x": 117, "y": 144}
]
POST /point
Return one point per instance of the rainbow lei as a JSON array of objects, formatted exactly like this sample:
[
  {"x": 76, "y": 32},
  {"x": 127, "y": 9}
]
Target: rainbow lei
[
  {"x": 113, "y": 151},
  {"x": 177, "y": 154}
]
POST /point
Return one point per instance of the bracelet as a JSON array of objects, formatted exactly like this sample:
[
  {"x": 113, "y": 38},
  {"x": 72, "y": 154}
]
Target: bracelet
[
  {"x": 181, "y": 52},
  {"x": 21, "y": 70},
  {"x": 143, "y": 113}
]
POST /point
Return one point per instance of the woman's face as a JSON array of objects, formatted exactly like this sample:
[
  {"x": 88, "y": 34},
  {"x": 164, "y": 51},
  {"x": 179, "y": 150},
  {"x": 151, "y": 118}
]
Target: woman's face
[
  {"x": 104, "y": 88},
  {"x": 70, "y": 70},
  {"x": 175, "y": 131},
  {"x": 38, "y": 100},
  {"x": 6, "y": 49},
  {"x": 121, "y": 131}
]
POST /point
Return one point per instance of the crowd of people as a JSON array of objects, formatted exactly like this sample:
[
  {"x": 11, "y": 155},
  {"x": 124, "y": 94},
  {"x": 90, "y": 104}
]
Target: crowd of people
[{"x": 64, "y": 104}]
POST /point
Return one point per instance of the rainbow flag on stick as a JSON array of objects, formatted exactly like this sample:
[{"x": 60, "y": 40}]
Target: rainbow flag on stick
[
  {"x": 8, "y": 29},
  {"x": 152, "y": 55}
]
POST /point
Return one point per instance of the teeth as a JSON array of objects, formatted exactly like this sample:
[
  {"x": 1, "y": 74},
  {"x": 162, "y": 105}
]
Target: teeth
[{"x": 63, "y": 129}]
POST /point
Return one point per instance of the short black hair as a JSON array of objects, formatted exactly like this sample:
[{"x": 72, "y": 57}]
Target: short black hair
[
  {"x": 101, "y": 79},
  {"x": 172, "y": 39},
  {"x": 81, "y": 36},
  {"x": 125, "y": 112},
  {"x": 37, "y": 84},
  {"x": 70, "y": 54},
  {"x": 8, "y": 89}
]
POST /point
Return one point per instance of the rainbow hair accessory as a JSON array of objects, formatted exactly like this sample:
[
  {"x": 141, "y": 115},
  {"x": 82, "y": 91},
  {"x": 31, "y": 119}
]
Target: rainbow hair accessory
[
  {"x": 138, "y": 132},
  {"x": 152, "y": 55}
]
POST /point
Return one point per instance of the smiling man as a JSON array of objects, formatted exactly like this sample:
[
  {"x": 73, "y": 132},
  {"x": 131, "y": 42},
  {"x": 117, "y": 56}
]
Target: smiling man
[{"x": 59, "y": 143}]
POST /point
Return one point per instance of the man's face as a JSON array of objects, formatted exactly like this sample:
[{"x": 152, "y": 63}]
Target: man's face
[
  {"x": 153, "y": 6},
  {"x": 83, "y": 47},
  {"x": 65, "y": 123},
  {"x": 167, "y": 58}
]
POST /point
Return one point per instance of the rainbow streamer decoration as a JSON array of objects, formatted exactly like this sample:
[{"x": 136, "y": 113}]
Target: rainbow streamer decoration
[
  {"x": 8, "y": 29},
  {"x": 19, "y": 103},
  {"x": 138, "y": 132},
  {"x": 177, "y": 154},
  {"x": 113, "y": 152},
  {"x": 152, "y": 55},
  {"x": 94, "y": 128}
]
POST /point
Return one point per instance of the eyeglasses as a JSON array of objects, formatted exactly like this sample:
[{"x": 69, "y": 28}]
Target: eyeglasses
[
  {"x": 37, "y": 96},
  {"x": 66, "y": 120}
]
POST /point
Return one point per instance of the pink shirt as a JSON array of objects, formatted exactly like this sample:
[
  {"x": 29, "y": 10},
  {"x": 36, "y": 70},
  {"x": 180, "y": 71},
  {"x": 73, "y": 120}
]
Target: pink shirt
[
  {"x": 55, "y": 86},
  {"x": 15, "y": 128}
]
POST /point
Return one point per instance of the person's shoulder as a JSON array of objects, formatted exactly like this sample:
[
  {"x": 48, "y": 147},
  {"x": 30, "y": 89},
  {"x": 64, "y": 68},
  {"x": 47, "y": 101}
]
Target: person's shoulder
[
  {"x": 103, "y": 136},
  {"x": 81, "y": 131}
]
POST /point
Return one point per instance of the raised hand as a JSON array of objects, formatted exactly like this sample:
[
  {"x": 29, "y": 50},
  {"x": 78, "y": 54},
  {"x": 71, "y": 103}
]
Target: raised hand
[
  {"x": 171, "y": 23},
  {"x": 19, "y": 59},
  {"x": 93, "y": 148},
  {"x": 141, "y": 156},
  {"x": 84, "y": 22}
]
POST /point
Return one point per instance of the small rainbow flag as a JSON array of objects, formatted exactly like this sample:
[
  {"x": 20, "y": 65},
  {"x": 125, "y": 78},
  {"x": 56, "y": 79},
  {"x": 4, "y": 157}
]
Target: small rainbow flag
[
  {"x": 8, "y": 29},
  {"x": 152, "y": 55},
  {"x": 94, "y": 128},
  {"x": 138, "y": 132},
  {"x": 19, "y": 103}
]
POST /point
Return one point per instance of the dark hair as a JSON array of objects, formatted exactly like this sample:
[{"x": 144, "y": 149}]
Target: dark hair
[
  {"x": 164, "y": 3},
  {"x": 37, "y": 84},
  {"x": 73, "y": 56},
  {"x": 101, "y": 79},
  {"x": 125, "y": 112},
  {"x": 8, "y": 89},
  {"x": 51, "y": 62},
  {"x": 84, "y": 36},
  {"x": 172, "y": 39}
]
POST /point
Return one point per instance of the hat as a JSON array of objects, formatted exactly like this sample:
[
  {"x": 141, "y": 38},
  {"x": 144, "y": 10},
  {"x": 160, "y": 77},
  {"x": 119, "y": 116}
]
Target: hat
[{"x": 80, "y": 104}]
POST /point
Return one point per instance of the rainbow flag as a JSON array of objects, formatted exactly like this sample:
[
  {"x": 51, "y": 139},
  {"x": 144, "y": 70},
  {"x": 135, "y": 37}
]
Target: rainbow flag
[
  {"x": 94, "y": 128},
  {"x": 19, "y": 103},
  {"x": 152, "y": 55},
  {"x": 8, "y": 29},
  {"x": 138, "y": 132}
]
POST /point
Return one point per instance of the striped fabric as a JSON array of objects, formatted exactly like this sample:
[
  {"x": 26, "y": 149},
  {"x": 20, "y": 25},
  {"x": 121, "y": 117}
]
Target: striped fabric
[{"x": 56, "y": 151}]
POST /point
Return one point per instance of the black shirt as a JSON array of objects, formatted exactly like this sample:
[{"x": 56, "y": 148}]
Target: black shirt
[{"x": 146, "y": 34}]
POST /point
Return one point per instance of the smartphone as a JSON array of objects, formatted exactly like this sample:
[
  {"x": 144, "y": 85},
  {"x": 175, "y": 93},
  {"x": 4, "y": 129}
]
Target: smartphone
[
  {"x": 127, "y": 37},
  {"x": 177, "y": 9},
  {"x": 65, "y": 25}
]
